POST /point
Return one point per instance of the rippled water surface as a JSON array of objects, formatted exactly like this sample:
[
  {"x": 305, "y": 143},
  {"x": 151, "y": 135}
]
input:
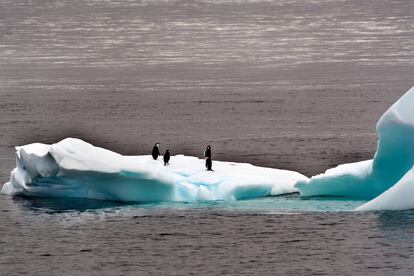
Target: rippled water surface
[
  {"x": 57, "y": 236},
  {"x": 286, "y": 84}
]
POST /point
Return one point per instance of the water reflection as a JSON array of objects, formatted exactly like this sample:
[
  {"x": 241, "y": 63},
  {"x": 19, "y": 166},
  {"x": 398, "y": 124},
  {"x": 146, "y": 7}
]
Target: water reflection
[
  {"x": 397, "y": 225},
  {"x": 64, "y": 205},
  {"x": 285, "y": 204}
]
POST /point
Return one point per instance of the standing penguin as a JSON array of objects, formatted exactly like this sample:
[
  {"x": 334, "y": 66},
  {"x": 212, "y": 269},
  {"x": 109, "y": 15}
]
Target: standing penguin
[
  {"x": 207, "y": 155},
  {"x": 166, "y": 157},
  {"x": 155, "y": 151}
]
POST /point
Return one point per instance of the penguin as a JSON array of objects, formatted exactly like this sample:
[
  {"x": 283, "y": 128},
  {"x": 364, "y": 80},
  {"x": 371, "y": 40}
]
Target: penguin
[
  {"x": 166, "y": 157},
  {"x": 209, "y": 164},
  {"x": 207, "y": 155},
  {"x": 207, "y": 152},
  {"x": 155, "y": 151}
]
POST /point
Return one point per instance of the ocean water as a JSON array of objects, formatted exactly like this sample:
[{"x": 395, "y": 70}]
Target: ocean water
[
  {"x": 280, "y": 235},
  {"x": 286, "y": 84}
]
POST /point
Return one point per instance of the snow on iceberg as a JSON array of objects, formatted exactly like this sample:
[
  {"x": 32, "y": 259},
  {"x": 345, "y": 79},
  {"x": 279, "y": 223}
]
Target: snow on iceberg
[
  {"x": 74, "y": 168},
  {"x": 368, "y": 179}
]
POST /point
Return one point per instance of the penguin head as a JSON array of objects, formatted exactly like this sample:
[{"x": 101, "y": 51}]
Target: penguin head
[
  {"x": 157, "y": 144},
  {"x": 208, "y": 147}
]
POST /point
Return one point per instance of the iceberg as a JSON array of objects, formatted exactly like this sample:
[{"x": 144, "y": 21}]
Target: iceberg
[
  {"x": 398, "y": 197},
  {"x": 77, "y": 169},
  {"x": 393, "y": 159},
  {"x": 74, "y": 168}
]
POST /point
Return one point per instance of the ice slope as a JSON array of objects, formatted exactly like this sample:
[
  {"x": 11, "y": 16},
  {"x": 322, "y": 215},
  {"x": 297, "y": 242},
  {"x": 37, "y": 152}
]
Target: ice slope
[
  {"x": 398, "y": 197},
  {"x": 368, "y": 179},
  {"x": 74, "y": 168}
]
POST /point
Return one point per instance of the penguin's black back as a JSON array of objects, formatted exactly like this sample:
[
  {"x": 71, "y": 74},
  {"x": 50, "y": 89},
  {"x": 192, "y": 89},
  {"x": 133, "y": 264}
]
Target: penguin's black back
[
  {"x": 155, "y": 152},
  {"x": 166, "y": 157}
]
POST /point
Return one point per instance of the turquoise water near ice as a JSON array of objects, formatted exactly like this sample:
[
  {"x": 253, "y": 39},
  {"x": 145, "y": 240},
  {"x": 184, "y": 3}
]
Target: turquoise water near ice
[
  {"x": 286, "y": 203},
  {"x": 279, "y": 204}
]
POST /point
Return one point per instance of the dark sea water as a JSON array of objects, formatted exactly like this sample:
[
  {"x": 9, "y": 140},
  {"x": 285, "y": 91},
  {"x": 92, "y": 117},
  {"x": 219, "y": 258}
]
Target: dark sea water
[
  {"x": 84, "y": 237},
  {"x": 287, "y": 84}
]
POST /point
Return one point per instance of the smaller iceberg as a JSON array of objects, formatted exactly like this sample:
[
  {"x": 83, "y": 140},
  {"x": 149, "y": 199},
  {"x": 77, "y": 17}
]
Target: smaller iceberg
[
  {"x": 74, "y": 168},
  {"x": 393, "y": 159}
]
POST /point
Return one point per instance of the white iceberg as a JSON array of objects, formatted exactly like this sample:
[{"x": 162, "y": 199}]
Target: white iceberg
[
  {"x": 393, "y": 159},
  {"x": 74, "y": 168}
]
